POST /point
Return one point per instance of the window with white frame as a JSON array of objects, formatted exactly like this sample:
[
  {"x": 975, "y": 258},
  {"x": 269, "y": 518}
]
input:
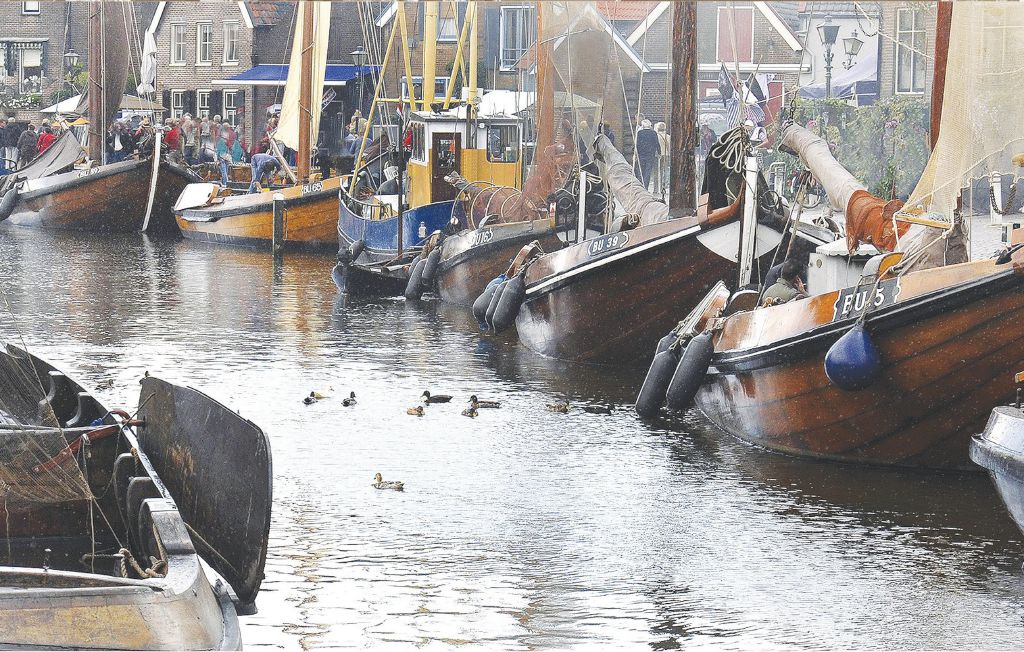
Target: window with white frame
[
  {"x": 231, "y": 41},
  {"x": 231, "y": 106},
  {"x": 910, "y": 48},
  {"x": 179, "y": 32},
  {"x": 204, "y": 43},
  {"x": 30, "y": 7},
  {"x": 30, "y": 70},
  {"x": 203, "y": 104},
  {"x": 440, "y": 87},
  {"x": 517, "y": 34},
  {"x": 177, "y": 104},
  {"x": 447, "y": 24}
]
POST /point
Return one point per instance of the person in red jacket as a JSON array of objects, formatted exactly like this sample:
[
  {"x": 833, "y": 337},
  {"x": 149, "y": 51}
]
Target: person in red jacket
[
  {"x": 172, "y": 139},
  {"x": 45, "y": 140}
]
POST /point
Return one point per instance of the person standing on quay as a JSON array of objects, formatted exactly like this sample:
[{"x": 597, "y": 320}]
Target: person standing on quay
[
  {"x": 223, "y": 151},
  {"x": 27, "y": 146},
  {"x": 661, "y": 175},
  {"x": 45, "y": 140},
  {"x": 10, "y": 142},
  {"x": 647, "y": 150}
]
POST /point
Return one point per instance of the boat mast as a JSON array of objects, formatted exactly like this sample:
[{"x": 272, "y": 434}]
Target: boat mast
[
  {"x": 683, "y": 141},
  {"x": 97, "y": 114},
  {"x": 430, "y": 13},
  {"x": 305, "y": 92},
  {"x": 474, "y": 55},
  {"x": 943, "y": 22},
  {"x": 545, "y": 94}
]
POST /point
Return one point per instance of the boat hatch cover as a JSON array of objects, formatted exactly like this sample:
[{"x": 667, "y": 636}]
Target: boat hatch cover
[{"x": 217, "y": 467}]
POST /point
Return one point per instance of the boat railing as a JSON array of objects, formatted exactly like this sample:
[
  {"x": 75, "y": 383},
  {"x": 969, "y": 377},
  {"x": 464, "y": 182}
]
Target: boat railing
[{"x": 368, "y": 210}]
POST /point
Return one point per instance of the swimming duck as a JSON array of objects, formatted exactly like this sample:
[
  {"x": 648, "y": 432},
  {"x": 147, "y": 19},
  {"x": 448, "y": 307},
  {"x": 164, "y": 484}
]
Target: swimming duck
[
  {"x": 318, "y": 396},
  {"x": 415, "y": 411},
  {"x": 598, "y": 409},
  {"x": 350, "y": 401},
  {"x": 436, "y": 398},
  {"x": 559, "y": 407},
  {"x": 309, "y": 400},
  {"x": 378, "y": 483},
  {"x": 477, "y": 403},
  {"x": 470, "y": 412}
]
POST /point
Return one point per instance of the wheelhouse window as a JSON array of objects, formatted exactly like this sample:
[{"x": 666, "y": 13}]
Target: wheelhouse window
[
  {"x": 518, "y": 32},
  {"x": 440, "y": 87},
  {"x": 177, "y": 104},
  {"x": 231, "y": 42},
  {"x": 203, "y": 104},
  {"x": 502, "y": 143},
  {"x": 910, "y": 48},
  {"x": 419, "y": 142},
  {"x": 178, "y": 35},
  {"x": 204, "y": 43}
]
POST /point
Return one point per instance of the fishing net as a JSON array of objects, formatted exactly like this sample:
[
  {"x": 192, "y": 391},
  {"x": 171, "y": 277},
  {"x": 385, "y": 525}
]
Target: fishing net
[
  {"x": 36, "y": 466},
  {"x": 982, "y": 114}
]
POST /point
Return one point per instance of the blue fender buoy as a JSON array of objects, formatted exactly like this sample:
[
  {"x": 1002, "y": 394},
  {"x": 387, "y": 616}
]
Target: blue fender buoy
[
  {"x": 7, "y": 203},
  {"x": 853, "y": 362},
  {"x": 508, "y": 306},
  {"x": 355, "y": 249},
  {"x": 652, "y": 392},
  {"x": 484, "y": 300},
  {"x": 689, "y": 373},
  {"x": 413, "y": 288},
  {"x": 493, "y": 305},
  {"x": 430, "y": 268}
]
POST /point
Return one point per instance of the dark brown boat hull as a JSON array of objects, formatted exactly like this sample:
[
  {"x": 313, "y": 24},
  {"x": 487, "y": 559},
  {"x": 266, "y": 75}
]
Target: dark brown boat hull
[
  {"x": 108, "y": 199},
  {"x": 469, "y": 267},
  {"x": 947, "y": 362},
  {"x": 614, "y": 310}
]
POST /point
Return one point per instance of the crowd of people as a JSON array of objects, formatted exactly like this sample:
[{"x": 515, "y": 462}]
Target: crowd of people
[{"x": 21, "y": 143}]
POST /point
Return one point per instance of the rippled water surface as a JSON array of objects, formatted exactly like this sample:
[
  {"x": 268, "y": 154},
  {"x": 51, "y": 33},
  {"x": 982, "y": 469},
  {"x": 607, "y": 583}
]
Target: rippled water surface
[{"x": 522, "y": 528}]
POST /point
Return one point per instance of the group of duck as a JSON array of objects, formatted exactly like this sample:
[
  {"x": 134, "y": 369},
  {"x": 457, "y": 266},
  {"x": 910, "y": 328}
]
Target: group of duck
[{"x": 475, "y": 404}]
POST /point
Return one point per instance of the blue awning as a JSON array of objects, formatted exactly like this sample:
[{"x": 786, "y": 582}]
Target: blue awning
[{"x": 268, "y": 74}]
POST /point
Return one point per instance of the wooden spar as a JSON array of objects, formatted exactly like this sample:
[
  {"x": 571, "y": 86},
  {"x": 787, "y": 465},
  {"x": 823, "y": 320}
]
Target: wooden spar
[
  {"x": 97, "y": 139},
  {"x": 943, "y": 21},
  {"x": 376, "y": 98},
  {"x": 430, "y": 11},
  {"x": 545, "y": 97},
  {"x": 157, "y": 138},
  {"x": 305, "y": 92},
  {"x": 407, "y": 54},
  {"x": 683, "y": 141},
  {"x": 474, "y": 56}
]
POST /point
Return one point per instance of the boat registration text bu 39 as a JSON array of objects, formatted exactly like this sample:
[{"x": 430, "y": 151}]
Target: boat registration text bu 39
[
  {"x": 851, "y": 302},
  {"x": 607, "y": 243}
]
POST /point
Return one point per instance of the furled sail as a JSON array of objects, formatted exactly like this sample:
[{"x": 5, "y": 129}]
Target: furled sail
[
  {"x": 291, "y": 118},
  {"x": 115, "y": 57},
  {"x": 982, "y": 112}
]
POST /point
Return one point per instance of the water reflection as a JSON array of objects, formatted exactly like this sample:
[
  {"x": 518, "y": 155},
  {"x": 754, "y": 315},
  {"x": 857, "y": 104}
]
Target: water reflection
[{"x": 522, "y": 528}]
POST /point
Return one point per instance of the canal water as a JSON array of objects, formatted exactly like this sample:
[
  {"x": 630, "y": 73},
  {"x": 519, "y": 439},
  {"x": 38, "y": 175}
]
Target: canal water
[{"x": 522, "y": 528}]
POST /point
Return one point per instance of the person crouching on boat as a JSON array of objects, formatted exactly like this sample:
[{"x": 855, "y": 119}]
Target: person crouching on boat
[
  {"x": 262, "y": 165},
  {"x": 790, "y": 285}
]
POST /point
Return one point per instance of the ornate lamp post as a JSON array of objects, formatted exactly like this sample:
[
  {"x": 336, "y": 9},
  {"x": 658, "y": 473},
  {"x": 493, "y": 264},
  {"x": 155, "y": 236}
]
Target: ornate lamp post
[
  {"x": 359, "y": 58},
  {"x": 70, "y": 62},
  {"x": 852, "y": 45},
  {"x": 828, "y": 33}
]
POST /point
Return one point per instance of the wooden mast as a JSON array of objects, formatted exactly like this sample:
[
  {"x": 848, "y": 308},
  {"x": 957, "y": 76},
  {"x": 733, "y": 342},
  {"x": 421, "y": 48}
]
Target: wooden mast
[
  {"x": 683, "y": 140},
  {"x": 305, "y": 92},
  {"x": 943, "y": 21},
  {"x": 545, "y": 95},
  {"x": 97, "y": 116}
]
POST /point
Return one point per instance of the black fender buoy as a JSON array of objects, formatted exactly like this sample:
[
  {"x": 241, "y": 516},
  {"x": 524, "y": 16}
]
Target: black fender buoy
[
  {"x": 484, "y": 300},
  {"x": 853, "y": 362},
  {"x": 7, "y": 203},
  {"x": 493, "y": 305},
  {"x": 430, "y": 268},
  {"x": 355, "y": 249},
  {"x": 666, "y": 342},
  {"x": 689, "y": 374},
  {"x": 508, "y": 306},
  {"x": 413, "y": 288},
  {"x": 340, "y": 276},
  {"x": 652, "y": 392}
]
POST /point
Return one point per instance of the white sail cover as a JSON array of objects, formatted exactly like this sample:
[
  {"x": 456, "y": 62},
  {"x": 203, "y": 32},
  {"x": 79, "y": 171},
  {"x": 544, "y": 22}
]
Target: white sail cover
[
  {"x": 291, "y": 118},
  {"x": 148, "y": 72},
  {"x": 982, "y": 112}
]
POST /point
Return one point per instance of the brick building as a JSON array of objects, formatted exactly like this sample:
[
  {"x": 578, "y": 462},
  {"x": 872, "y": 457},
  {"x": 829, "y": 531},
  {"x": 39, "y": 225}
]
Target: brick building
[{"x": 906, "y": 55}]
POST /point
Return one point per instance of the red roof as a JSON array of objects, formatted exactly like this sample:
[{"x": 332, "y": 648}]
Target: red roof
[
  {"x": 625, "y": 9},
  {"x": 269, "y": 13}
]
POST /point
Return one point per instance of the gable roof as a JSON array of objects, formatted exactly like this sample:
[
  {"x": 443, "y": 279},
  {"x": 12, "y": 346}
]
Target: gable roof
[
  {"x": 270, "y": 13},
  {"x": 778, "y": 24},
  {"x": 626, "y": 10}
]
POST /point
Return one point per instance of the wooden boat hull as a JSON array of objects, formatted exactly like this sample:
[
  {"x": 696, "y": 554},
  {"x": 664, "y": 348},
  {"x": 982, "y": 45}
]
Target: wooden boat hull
[
  {"x": 949, "y": 346},
  {"x": 76, "y": 604},
  {"x": 248, "y": 220},
  {"x": 1000, "y": 450},
  {"x": 107, "y": 199},
  {"x": 380, "y": 269},
  {"x": 470, "y": 259},
  {"x": 606, "y": 302}
]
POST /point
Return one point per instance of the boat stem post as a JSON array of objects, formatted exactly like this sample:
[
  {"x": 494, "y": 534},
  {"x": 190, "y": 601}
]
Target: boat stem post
[
  {"x": 157, "y": 140},
  {"x": 581, "y": 215},
  {"x": 278, "y": 241},
  {"x": 748, "y": 234}
]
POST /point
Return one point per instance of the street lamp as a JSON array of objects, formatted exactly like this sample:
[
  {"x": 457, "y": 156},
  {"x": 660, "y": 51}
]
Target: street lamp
[
  {"x": 359, "y": 58},
  {"x": 828, "y": 33},
  {"x": 70, "y": 62},
  {"x": 852, "y": 45}
]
